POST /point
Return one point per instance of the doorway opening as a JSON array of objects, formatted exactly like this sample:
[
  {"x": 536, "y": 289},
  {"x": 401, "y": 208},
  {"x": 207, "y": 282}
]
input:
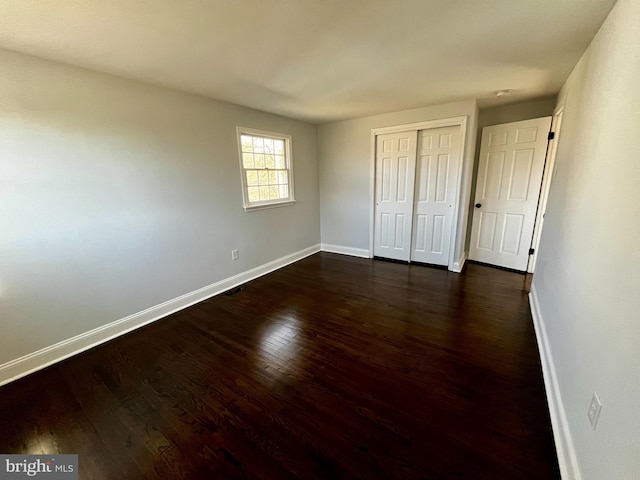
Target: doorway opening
[{"x": 514, "y": 176}]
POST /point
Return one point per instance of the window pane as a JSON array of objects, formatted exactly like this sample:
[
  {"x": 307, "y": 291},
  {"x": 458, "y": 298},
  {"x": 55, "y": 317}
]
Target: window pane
[
  {"x": 247, "y": 160},
  {"x": 253, "y": 194},
  {"x": 269, "y": 161},
  {"x": 265, "y": 168},
  {"x": 258, "y": 145},
  {"x": 247, "y": 143},
  {"x": 252, "y": 178}
]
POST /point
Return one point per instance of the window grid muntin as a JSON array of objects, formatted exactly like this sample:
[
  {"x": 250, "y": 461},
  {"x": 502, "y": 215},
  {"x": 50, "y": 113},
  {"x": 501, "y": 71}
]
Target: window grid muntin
[{"x": 265, "y": 159}]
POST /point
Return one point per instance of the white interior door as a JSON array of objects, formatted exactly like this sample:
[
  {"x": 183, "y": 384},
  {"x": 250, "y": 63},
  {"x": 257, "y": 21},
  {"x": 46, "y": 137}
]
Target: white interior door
[
  {"x": 395, "y": 174},
  {"x": 435, "y": 190},
  {"x": 547, "y": 176},
  {"x": 512, "y": 159}
]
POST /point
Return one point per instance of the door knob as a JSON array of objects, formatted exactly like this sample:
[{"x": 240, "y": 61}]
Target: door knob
[{"x": 478, "y": 205}]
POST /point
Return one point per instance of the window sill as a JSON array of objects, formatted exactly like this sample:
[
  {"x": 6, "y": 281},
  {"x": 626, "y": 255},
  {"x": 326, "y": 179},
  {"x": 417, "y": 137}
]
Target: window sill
[{"x": 269, "y": 205}]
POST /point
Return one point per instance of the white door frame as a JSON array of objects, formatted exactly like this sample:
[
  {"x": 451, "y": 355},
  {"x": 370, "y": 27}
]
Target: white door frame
[
  {"x": 443, "y": 122},
  {"x": 547, "y": 176}
]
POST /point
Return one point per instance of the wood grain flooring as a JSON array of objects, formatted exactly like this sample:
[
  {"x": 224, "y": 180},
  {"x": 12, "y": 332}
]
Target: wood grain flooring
[{"x": 331, "y": 368}]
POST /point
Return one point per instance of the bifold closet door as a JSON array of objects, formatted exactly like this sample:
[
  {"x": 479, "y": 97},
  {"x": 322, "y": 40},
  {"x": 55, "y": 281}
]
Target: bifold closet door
[
  {"x": 395, "y": 177},
  {"x": 435, "y": 190}
]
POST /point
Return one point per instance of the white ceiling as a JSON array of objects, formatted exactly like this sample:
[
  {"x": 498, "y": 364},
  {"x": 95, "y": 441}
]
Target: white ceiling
[{"x": 317, "y": 60}]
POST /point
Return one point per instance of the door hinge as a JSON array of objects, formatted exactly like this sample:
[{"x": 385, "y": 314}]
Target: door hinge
[
  {"x": 551, "y": 136},
  {"x": 531, "y": 251}
]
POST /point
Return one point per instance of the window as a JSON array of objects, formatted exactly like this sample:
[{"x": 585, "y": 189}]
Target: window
[{"x": 265, "y": 162}]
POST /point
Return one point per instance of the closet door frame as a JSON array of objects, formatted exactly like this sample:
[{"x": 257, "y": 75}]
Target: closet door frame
[{"x": 455, "y": 264}]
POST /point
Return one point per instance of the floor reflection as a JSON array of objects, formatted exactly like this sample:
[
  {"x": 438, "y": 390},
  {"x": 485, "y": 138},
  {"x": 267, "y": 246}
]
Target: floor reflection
[
  {"x": 280, "y": 347},
  {"x": 40, "y": 443}
]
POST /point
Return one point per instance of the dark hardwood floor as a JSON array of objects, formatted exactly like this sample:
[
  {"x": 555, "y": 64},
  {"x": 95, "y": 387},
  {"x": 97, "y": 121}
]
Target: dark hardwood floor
[{"x": 333, "y": 367}]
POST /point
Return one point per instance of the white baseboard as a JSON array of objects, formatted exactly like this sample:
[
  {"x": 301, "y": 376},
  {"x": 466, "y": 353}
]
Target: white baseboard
[
  {"x": 354, "y": 252},
  {"x": 569, "y": 469},
  {"x": 32, "y": 362},
  {"x": 459, "y": 265}
]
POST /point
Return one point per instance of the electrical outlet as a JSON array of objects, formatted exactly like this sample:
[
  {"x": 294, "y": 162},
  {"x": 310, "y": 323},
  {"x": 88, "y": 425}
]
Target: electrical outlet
[
  {"x": 594, "y": 410},
  {"x": 235, "y": 255}
]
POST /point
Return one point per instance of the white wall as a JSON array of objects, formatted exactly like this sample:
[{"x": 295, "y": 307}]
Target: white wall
[
  {"x": 587, "y": 279},
  {"x": 515, "y": 112},
  {"x": 116, "y": 196},
  {"x": 345, "y": 167}
]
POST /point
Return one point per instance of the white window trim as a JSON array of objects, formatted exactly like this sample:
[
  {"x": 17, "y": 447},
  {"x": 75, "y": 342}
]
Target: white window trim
[{"x": 248, "y": 206}]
